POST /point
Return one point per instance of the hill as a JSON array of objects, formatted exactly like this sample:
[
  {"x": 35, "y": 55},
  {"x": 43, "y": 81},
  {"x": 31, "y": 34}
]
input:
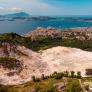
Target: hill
[
  {"x": 41, "y": 52},
  {"x": 19, "y": 14}
]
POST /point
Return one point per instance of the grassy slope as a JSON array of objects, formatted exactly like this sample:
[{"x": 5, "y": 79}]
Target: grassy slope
[
  {"x": 44, "y": 85},
  {"x": 49, "y": 42},
  {"x": 46, "y": 42}
]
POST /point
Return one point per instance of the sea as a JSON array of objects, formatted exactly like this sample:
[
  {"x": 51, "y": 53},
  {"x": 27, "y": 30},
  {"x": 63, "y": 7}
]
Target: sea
[{"x": 24, "y": 26}]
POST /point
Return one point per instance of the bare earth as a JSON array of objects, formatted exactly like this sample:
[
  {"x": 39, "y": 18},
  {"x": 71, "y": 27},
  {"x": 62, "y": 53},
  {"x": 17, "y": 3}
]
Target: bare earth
[{"x": 46, "y": 62}]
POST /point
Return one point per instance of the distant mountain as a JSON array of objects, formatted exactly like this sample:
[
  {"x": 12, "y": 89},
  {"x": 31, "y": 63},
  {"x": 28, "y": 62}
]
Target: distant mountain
[{"x": 19, "y": 14}]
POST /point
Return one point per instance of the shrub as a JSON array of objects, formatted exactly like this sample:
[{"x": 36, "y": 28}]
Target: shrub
[
  {"x": 43, "y": 77},
  {"x": 49, "y": 88},
  {"x": 73, "y": 86},
  {"x": 87, "y": 87},
  {"x": 33, "y": 78},
  {"x": 7, "y": 89},
  {"x": 37, "y": 87},
  {"x": 10, "y": 63},
  {"x": 37, "y": 80}
]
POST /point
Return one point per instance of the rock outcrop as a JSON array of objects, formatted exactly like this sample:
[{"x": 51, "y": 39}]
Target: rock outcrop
[
  {"x": 30, "y": 64},
  {"x": 43, "y": 32},
  {"x": 85, "y": 33}
]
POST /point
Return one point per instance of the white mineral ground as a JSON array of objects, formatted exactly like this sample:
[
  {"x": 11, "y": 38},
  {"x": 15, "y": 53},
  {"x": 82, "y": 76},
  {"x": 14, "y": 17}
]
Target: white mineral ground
[{"x": 46, "y": 62}]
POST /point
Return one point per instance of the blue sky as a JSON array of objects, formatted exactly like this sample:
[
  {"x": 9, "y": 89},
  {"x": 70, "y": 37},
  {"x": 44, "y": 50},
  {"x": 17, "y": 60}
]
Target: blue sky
[{"x": 47, "y": 7}]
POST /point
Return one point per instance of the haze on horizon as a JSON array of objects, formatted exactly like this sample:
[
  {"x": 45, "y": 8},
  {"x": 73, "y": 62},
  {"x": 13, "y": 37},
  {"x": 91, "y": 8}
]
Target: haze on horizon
[{"x": 47, "y": 7}]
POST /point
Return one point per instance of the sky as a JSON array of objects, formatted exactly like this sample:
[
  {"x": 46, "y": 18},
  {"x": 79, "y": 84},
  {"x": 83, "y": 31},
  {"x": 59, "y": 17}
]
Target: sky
[{"x": 47, "y": 7}]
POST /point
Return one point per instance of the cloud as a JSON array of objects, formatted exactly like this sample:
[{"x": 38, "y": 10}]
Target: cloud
[
  {"x": 47, "y": 7},
  {"x": 15, "y": 9},
  {"x": 2, "y": 8},
  {"x": 31, "y": 6},
  {"x": 40, "y": 7}
]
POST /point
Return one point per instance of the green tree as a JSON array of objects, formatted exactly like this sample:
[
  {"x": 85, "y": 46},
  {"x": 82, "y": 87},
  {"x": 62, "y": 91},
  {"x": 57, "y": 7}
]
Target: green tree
[
  {"x": 54, "y": 74},
  {"x": 72, "y": 74},
  {"x": 78, "y": 75},
  {"x": 66, "y": 74},
  {"x": 59, "y": 76}
]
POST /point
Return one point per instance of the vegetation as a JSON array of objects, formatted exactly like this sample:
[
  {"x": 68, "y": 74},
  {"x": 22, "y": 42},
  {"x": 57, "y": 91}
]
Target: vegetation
[
  {"x": 72, "y": 74},
  {"x": 10, "y": 63},
  {"x": 43, "y": 77},
  {"x": 78, "y": 75},
  {"x": 9, "y": 37},
  {"x": 87, "y": 87},
  {"x": 7, "y": 89},
  {"x": 47, "y": 84},
  {"x": 35, "y": 79},
  {"x": 46, "y": 42},
  {"x": 73, "y": 86},
  {"x": 48, "y": 88},
  {"x": 58, "y": 75},
  {"x": 66, "y": 74}
]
